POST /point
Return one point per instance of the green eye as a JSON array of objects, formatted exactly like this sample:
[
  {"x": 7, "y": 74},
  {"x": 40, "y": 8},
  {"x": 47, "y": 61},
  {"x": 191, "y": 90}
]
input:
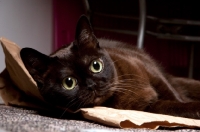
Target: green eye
[
  {"x": 69, "y": 83},
  {"x": 96, "y": 66}
]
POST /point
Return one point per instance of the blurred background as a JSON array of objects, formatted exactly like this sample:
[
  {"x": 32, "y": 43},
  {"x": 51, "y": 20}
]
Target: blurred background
[
  {"x": 29, "y": 23},
  {"x": 171, "y": 28}
]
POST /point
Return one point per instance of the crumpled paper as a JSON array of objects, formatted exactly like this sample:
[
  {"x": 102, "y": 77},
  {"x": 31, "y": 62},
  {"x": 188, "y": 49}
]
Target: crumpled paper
[
  {"x": 136, "y": 119},
  {"x": 17, "y": 87}
]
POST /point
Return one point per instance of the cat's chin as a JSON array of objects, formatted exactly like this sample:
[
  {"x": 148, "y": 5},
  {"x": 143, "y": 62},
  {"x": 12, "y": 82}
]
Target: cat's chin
[{"x": 98, "y": 101}]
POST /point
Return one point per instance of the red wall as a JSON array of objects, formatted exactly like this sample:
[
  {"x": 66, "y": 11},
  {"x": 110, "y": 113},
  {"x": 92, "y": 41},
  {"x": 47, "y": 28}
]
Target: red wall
[
  {"x": 172, "y": 55},
  {"x": 66, "y": 14}
]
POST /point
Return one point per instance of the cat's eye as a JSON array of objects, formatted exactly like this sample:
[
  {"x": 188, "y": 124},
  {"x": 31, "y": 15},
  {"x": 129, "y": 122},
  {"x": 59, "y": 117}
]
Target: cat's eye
[
  {"x": 96, "y": 66},
  {"x": 69, "y": 83}
]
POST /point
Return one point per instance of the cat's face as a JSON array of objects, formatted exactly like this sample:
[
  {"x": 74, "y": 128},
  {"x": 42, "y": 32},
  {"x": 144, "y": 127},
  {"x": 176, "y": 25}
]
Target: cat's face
[{"x": 75, "y": 76}]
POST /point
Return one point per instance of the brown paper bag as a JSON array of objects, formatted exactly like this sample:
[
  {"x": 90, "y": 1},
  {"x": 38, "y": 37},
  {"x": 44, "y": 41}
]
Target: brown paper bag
[
  {"x": 17, "y": 88},
  {"x": 16, "y": 85},
  {"x": 17, "y": 71},
  {"x": 136, "y": 119}
]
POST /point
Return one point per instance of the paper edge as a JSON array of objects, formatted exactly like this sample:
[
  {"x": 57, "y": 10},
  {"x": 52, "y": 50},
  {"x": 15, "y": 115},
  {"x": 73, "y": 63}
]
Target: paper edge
[
  {"x": 152, "y": 124},
  {"x": 21, "y": 65}
]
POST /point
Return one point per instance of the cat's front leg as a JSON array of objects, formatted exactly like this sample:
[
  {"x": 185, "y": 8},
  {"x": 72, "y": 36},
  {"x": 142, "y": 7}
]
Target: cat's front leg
[{"x": 188, "y": 110}]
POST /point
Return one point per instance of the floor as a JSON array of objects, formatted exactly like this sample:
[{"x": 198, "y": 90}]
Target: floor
[{"x": 13, "y": 119}]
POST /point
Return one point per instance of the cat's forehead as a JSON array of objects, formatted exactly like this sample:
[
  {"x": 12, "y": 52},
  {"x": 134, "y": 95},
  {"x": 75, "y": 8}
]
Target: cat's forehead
[
  {"x": 62, "y": 52},
  {"x": 70, "y": 57},
  {"x": 88, "y": 58},
  {"x": 75, "y": 60},
  {"x": 85, "y": 56}
]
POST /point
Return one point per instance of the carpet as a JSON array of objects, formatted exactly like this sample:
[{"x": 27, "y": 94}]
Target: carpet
[{"x": 14, "y": 119}]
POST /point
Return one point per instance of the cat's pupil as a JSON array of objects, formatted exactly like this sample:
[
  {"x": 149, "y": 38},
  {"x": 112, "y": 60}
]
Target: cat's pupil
[
  {"x": 69, "y": 82},
  {"x": 96, "y": 65}
]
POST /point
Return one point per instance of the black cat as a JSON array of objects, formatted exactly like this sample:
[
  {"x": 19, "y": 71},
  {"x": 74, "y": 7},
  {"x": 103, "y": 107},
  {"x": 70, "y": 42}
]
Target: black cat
[{"x": 96, "y": 72}]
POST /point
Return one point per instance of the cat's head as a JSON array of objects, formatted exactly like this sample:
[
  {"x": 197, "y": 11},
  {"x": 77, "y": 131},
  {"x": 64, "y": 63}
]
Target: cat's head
[{"x": 75, "y": 76}]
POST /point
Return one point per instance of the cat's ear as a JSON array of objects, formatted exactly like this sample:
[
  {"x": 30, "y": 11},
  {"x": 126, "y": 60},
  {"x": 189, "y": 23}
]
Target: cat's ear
[
  {"x": 35, "y": 62},
  {"x": 84, "y": 36}
]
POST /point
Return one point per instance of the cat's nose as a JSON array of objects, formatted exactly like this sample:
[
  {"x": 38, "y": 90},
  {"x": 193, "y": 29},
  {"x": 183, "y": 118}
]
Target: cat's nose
[{"x": 91, "y": 85}]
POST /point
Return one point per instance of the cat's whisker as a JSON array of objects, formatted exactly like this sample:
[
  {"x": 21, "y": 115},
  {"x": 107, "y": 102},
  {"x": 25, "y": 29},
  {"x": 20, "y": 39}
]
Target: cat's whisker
[
  {"x": 83, "y": 102},
  {"x": 71, "y": 101},
  {"x": 63, "y": 113},
  {"x": 118, "y": 78},
  {"x": 116, "y": 61},
  {"x": 74, "y": 100},
  {"x": 132, "y": 79},
  {"x": 124, "y": 88},
  {"x": 134, "y": 75},
  {"x": 131, "y": 85},
  {"x": 86, "y": 100},
  {"x": 67, "y": 107},
  {"x": 117, "y": 89},
  {"x": 129, "y": 82},
  {"x": 80, "y": 102},
  {"x": 118, "y": 92},
  {"x": 123, "y": 83}
]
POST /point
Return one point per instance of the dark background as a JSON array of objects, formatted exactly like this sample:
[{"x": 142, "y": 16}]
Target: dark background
[{"x": 173, "y": 54}]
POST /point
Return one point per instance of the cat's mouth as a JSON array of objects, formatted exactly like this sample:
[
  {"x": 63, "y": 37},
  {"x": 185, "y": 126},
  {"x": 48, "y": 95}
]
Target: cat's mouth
[
  {"x": 100, "y": 98},
  {"x": 97, "y": 97},
  {"x": 98, "y": 101}
]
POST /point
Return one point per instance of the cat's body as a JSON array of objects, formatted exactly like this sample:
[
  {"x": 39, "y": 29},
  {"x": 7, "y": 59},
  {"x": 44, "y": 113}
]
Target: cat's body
[{"x": 91, "y": 72}]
